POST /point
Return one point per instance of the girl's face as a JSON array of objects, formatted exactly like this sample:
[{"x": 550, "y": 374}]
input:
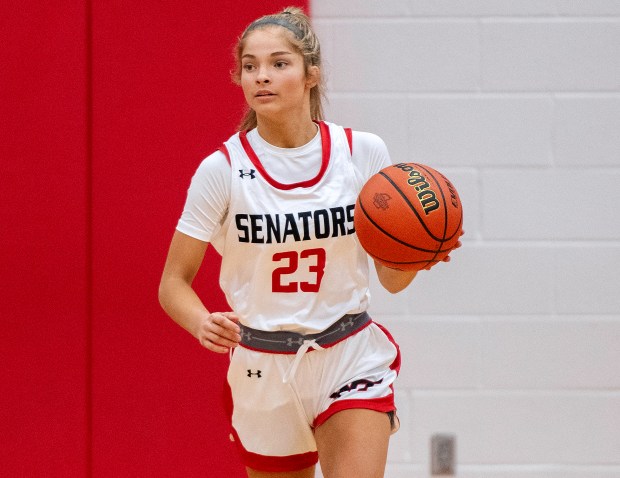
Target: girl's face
[{"x": 273, "y": 76}]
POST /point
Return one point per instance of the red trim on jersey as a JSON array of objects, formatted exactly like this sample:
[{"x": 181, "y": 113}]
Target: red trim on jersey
[
  {"x": 382, "y": 404},
  {"x": 349, "y": 133},
  {"x": 326, "y": 146},
  {"x": 224, "y": 150}
]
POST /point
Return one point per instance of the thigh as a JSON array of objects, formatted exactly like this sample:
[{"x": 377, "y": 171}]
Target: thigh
[{"x": 354, "y": 443}]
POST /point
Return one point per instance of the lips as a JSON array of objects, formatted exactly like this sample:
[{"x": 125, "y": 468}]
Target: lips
[{"x": 264, "y": 93}]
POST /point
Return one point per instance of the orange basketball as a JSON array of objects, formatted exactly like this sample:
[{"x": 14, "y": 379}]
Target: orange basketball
[{"x": 408, "y": 216}]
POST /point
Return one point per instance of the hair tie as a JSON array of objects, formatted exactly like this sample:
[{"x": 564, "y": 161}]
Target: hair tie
[{"x": 279, "y": 22}]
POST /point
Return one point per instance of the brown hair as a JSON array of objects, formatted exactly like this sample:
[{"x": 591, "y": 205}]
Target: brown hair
[{"x": 303, "y": 39}]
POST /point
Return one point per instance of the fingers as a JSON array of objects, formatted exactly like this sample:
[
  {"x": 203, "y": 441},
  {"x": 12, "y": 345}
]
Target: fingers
[
  {"x": 231, "y": 316},
  {"x": 220, "y": 332},
  {"x": 456, "y": 246},
  {"x": 458, "y": 243}
]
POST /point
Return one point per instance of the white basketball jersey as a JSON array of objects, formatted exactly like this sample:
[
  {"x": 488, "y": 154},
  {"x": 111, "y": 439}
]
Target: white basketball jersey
[{"x": 290, "y": 256}]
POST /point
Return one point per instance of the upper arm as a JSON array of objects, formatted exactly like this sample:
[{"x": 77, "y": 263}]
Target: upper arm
[
  {"x": 370, "y": 154},
  {"x": 185, "y": 256},
  {"x": 207, "y": 199}
]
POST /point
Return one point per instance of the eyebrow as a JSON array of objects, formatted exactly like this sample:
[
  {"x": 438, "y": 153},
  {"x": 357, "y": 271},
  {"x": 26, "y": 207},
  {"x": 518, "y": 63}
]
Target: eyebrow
[{"x": 275, "y": 53}]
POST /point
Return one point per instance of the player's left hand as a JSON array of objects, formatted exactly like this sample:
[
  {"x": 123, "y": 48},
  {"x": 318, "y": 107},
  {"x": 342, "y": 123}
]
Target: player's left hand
[{"x": 447, "y": 258}]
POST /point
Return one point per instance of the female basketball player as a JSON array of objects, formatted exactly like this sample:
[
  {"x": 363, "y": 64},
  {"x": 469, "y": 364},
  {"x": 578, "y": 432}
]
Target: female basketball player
[{"x": 310, "y": 375}]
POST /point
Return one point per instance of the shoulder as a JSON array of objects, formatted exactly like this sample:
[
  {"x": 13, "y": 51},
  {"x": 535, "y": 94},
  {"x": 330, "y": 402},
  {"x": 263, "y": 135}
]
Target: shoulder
[
  {"x": 368, "y": 142},
  {"x": 370, "y": 153},
  {"x": 211, "y": 180},
  {"x": 214, "y": 166},
  {"x": 362, "y": 141}
]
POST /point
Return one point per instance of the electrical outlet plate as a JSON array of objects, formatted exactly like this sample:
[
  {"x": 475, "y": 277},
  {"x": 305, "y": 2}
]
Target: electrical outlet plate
[{"x": 443, "y": 454}]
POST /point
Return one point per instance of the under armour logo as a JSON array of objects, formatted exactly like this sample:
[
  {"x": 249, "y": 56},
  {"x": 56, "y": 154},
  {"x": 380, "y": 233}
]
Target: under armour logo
[
  {"x": 257, "y": 373},
  {"x": 344, "y": 325},
  {"x": 291, "y": 341},
  {"x": 243, "y": 174},
  {"x": 362, "y": 385}
]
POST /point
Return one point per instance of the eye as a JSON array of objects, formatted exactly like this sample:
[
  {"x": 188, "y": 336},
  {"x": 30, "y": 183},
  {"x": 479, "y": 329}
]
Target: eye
[
  {"x": 280, "y": 64},
  {"x": 247, "y": 67}
]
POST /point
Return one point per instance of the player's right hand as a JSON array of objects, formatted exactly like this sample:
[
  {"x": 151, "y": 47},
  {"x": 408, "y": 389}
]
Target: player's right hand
[{"x": 219, "y": 331}]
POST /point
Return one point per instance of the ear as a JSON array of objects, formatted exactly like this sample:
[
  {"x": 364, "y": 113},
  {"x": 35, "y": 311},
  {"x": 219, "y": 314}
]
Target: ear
[{"x": 313, "y": 77}]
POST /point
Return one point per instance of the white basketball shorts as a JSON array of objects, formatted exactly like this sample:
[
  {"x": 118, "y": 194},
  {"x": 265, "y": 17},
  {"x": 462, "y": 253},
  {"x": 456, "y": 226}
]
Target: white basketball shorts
[{"x": 273, "y": 422}]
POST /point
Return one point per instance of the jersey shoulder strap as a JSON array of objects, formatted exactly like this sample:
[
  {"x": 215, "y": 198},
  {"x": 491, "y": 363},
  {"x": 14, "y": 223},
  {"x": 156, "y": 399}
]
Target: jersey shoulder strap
[
  {"x": 224, "y": 149},
  {"x": 349, "y": 133}
]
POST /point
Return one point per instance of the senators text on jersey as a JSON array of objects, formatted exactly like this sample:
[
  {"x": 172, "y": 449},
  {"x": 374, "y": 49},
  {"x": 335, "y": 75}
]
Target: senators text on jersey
[{"x": 300, "y": 226}]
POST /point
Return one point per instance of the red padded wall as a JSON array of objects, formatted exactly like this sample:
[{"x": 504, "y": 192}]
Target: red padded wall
[
  {"x": 162, "y": 101},
  {"x": 108, "y": 108},
  {"x": 43, "y": 240}
]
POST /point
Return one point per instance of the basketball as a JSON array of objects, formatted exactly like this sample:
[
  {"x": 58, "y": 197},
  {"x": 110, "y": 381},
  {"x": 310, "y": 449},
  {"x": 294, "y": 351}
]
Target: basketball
[{"x": 408, "y": 216}]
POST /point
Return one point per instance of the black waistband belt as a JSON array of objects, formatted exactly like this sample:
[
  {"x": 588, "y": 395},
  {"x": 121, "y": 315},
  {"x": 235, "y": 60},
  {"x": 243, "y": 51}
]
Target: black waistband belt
[{"x": 289, "y": 342}]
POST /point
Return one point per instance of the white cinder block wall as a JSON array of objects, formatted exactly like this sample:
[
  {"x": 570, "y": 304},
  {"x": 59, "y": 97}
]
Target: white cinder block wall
[{"x": 514, "y": 347}]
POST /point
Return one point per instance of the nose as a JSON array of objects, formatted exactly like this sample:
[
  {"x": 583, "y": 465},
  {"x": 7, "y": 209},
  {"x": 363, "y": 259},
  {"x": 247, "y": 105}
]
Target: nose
[{"x": 262, "y": 77}]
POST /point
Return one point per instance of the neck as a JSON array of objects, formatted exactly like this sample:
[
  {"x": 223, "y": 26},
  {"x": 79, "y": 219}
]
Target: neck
[{"x": 288, "y": 134}]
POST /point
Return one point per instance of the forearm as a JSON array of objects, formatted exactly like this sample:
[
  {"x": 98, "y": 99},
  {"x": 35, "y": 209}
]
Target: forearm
[
  {"x": 394, "y": 280},
  {"x": 182, "y": 304}
]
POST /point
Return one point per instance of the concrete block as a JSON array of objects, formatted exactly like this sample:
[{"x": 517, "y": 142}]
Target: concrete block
[
  {"x": 520, "y": 428},
  {"x": 588, "y": 7},
  {"x": 486, "y": 279},
  {"x": 438, "y": 352},
  {"x": 376, "y": 9},
  {"x": 405, "y": 56},
  {"x": 383, "y": 303},
  {"x": 587, "y": 279},
  {"x": 552, "y": 354},
  {"x": 481, "y": 130},
  {"x": 586, "y": 130},
  {"x": 481, "y": 7},
  {"x": 385, "y": 116},
  {"x": 550, "y": 55},
  {"x": 550, "y": 204},
  {"x": 430, "y": 8},
  {"x": 402, "y": 470}
]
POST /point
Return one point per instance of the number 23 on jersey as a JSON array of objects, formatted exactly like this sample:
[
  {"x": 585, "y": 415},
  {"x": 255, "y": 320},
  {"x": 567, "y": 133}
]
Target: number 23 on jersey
[{"x": 289, "y": 263}]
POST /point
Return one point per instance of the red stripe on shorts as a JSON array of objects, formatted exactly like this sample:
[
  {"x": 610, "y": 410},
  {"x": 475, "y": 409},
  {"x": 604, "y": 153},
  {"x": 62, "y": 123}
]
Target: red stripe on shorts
[
  {"x": 383, "y": 404},
  {"x": 396, "y": 363},
  {"x": 275, "y": 463}
]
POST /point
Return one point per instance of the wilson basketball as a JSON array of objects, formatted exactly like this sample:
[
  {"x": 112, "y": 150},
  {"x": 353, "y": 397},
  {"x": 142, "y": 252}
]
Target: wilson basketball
[{"x": 408, "y": 216}]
